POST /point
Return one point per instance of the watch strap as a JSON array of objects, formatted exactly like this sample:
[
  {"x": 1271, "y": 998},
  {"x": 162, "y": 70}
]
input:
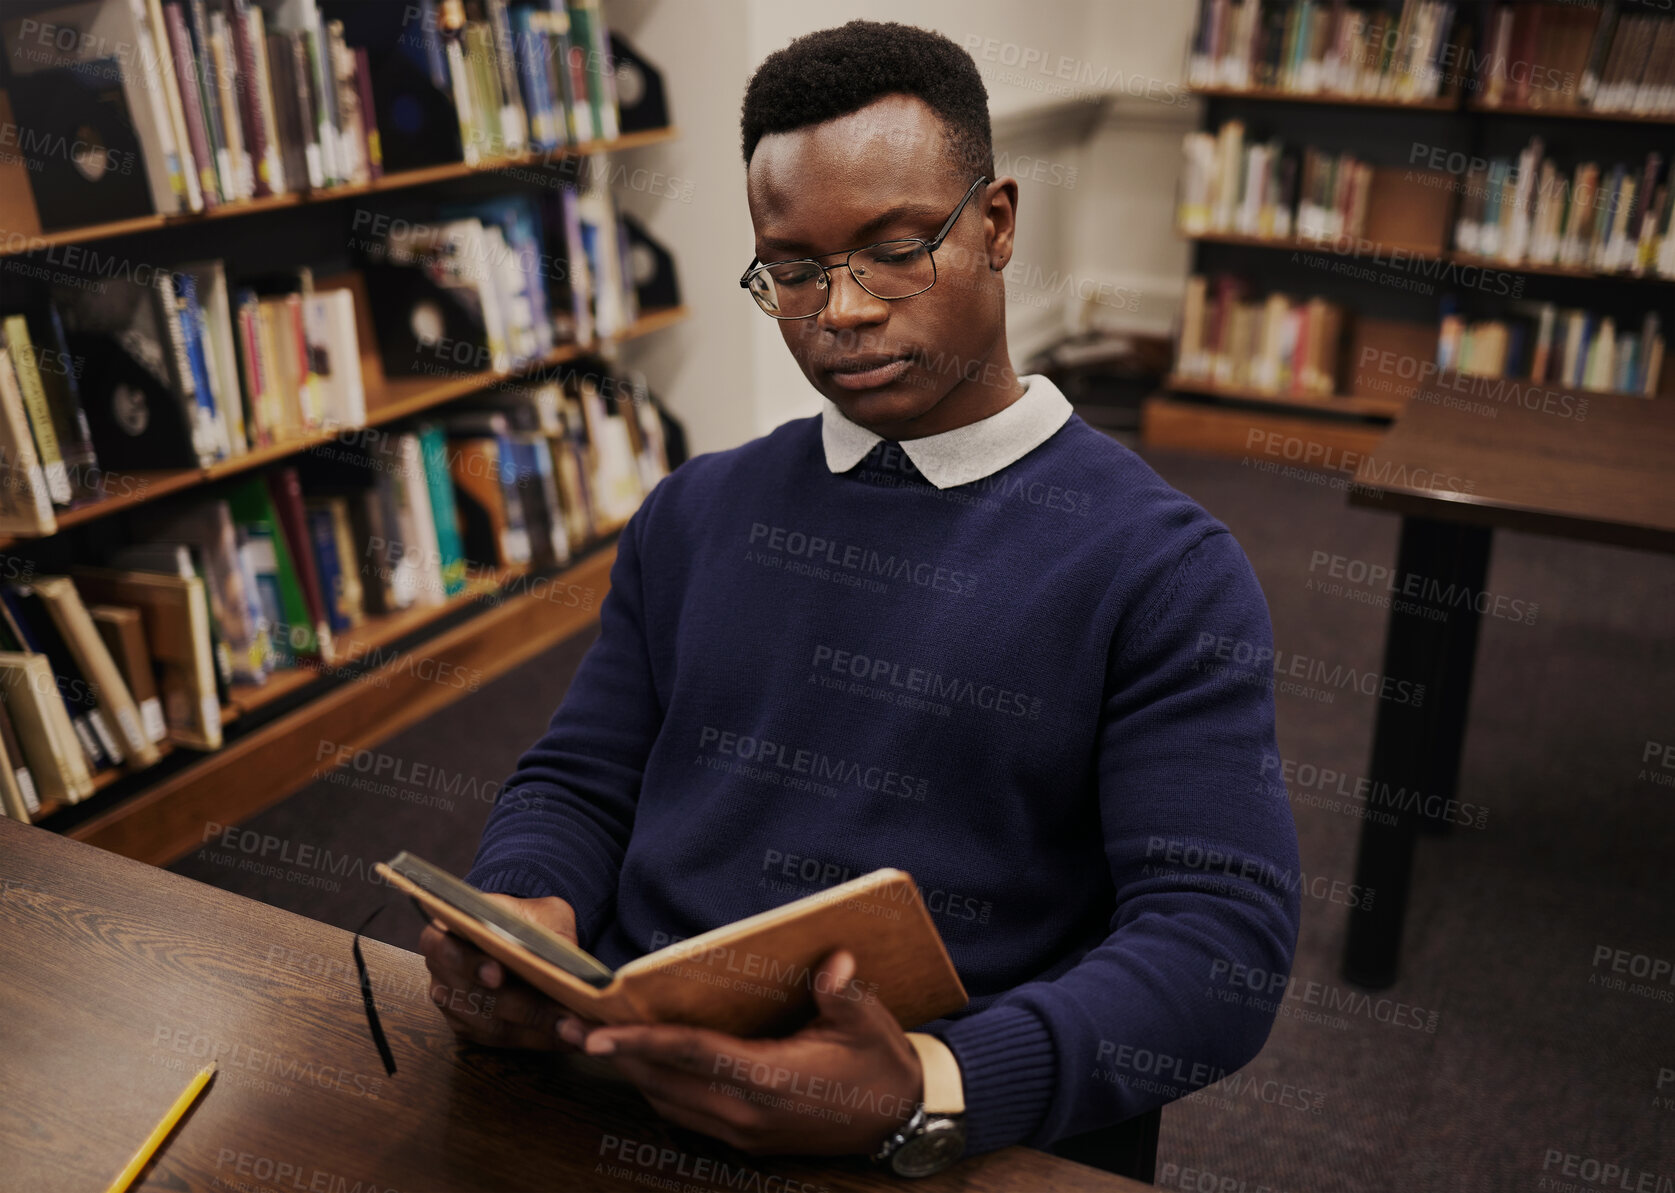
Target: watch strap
[{"x": 944, "y": 1086}]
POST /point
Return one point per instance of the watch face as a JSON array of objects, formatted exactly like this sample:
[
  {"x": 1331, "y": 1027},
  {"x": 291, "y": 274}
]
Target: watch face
[{"x": 939, "y": 1144}]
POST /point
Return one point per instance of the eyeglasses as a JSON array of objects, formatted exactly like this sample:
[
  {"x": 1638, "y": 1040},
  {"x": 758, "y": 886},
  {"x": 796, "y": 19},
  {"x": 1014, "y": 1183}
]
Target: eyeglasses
[{"x": 890, "y": 269}]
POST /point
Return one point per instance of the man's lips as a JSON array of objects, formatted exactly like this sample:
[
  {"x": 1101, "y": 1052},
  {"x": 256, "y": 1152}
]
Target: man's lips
[{"x": 868, "y": 372}]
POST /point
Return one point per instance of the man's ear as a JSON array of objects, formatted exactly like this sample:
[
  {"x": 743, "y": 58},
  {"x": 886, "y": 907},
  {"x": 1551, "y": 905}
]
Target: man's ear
[{"x": 1000, "y": 220}]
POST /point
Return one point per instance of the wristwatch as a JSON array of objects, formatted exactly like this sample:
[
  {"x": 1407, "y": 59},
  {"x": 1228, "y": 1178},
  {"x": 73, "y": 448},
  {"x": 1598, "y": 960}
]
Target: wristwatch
[{"x": 934, "y": 1137}]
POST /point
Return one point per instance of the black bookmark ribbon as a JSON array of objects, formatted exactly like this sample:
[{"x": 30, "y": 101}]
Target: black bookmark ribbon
[{"x": 372, "y": 1022}]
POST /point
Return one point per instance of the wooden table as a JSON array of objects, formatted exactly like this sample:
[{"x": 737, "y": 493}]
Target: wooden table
[
  {"x": 1454, "y": 474},
  {"x": 118, "y": 981}
]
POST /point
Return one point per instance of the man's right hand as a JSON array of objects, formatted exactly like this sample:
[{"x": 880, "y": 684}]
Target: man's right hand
[{"x": 480, "y": 999}]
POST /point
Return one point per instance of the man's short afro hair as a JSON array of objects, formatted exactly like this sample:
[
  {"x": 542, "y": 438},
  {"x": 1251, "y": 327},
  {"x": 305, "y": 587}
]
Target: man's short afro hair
[{"x": 833, "y": 72}]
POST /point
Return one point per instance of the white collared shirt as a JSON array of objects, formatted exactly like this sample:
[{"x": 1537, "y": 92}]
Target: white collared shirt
[{"x": 966, "y": 453}]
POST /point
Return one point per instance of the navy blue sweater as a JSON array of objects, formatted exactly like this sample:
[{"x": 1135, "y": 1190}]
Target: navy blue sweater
[{"x": 1013, "y": 689}]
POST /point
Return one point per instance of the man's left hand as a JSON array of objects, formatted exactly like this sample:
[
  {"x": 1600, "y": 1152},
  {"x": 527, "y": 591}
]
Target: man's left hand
[{"x": 839, "y": 1086}]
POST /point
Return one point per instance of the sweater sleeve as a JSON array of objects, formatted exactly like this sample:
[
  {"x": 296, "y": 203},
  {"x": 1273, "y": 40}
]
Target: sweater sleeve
[
  {"x": 1203, "y": 857},
  {"x": 561, "y": 823}
]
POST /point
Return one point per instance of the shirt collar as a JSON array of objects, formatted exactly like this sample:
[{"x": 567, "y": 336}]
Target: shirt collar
[{"x": 966, "y": 453}]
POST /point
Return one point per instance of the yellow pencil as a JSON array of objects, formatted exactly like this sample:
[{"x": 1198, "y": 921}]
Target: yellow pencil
[{"x": 161, "y": 1132}]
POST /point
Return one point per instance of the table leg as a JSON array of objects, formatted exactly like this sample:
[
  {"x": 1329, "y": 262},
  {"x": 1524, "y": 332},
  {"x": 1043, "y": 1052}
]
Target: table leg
[{"x": 1416, "y": 746}]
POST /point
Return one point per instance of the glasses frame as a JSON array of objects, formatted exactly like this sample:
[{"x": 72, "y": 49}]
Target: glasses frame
[{"x": 757, "y": 266}]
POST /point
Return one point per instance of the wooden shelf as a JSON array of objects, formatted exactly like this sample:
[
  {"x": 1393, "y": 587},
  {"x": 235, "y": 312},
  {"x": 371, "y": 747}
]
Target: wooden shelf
[
  {"x": 271, "y": 761},
  {"x": 1329, "y": 446},
  {"x": 1418, "y": 253},
  {"x": 1570, "y": 113},
  {"x": 1303, "y": 245},
  {"x": 1446, "y": 103},
  {"x": 34, "y": 239},
  {"x": 387, "y": 402},
  {"x": 1558, "y": 271},
  {"x": 1348, "y": 404}
]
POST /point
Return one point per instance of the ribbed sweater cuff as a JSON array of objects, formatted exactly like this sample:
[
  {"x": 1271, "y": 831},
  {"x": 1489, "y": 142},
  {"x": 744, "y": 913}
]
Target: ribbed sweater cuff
[
  {"x": 522, "y": 882},
  {"x": 1008, "y": 1069}
]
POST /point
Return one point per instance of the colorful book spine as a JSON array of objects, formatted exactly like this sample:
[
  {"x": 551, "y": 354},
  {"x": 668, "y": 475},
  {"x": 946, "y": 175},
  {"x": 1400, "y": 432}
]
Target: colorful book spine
[{"x": 433, "y": 442}]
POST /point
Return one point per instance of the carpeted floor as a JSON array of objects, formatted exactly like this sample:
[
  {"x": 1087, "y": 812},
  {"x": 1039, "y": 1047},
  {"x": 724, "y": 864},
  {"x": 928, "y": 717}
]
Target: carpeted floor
[{"x": 1541, "y": 1072}]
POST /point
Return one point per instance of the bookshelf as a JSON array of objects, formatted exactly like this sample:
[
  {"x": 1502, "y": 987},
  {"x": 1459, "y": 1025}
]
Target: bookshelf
[
  {"x": 21, "y": 223},
  {"x": 1398, "y": 276},
  {"x": 496, "y": 614},
  {"x": 389, "y": 401}
]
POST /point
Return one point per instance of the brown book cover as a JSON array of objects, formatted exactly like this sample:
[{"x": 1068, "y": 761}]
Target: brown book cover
[
  {"x": 176, "y": 615},
  {"x": 123, "y": 631},
  {"x": 481, "y": 500},
  {"x": 753, "y": 977},
  {"x": 64, "y": 605}
]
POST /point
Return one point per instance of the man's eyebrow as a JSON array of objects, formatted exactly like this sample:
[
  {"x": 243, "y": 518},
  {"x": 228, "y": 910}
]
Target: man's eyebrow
[{"x": 902, "y": 211}]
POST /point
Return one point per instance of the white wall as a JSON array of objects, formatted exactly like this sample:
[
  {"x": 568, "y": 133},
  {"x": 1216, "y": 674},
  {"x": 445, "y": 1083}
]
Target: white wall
[{"x": 1096, "y": 169}]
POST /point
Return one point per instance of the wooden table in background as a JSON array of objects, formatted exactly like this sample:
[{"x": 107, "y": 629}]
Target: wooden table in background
[
  {"x": 1454, "y": 475},
  {"x": 118, "y": 981}
]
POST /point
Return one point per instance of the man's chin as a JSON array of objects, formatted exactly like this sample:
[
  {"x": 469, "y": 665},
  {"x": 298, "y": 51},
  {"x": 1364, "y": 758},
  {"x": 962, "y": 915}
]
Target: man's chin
[{"x": 891, "y": 405}]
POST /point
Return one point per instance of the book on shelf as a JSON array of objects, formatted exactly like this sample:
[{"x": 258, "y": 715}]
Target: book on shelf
[
  {"x": 88, "y": 73},
  {"x": 1388, "y": 51},
  {"x": 1541, "y": 342},
  {"x": 1532, "y": 210},
  {"x": 19, "y": 798},
  {"x": 175, "y": 612},
  {"x": 1611, "y": 58},
  {"x": 497, "y": 283},
  {"x": 123, "y": 632},
  {"x": 493, "y": 521},
  {"x": 1269, "y": 190},
  {"x": 195, "y": 103},
  {"x": 900, "y": 957},
  {"x": 25, "y": 498},
  {"x": 29, "y": 627},
  {"x": 49, "y": 742},
  {"x": 1273, "y": 344}
]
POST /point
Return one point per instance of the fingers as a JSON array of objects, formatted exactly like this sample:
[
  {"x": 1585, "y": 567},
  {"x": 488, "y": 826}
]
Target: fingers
[{"x": 694, "y": 1050}]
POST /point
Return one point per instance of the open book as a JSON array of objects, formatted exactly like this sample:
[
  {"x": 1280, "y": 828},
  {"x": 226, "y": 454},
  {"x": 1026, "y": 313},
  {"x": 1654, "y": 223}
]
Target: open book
[{"x": 753, "y": 977}]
